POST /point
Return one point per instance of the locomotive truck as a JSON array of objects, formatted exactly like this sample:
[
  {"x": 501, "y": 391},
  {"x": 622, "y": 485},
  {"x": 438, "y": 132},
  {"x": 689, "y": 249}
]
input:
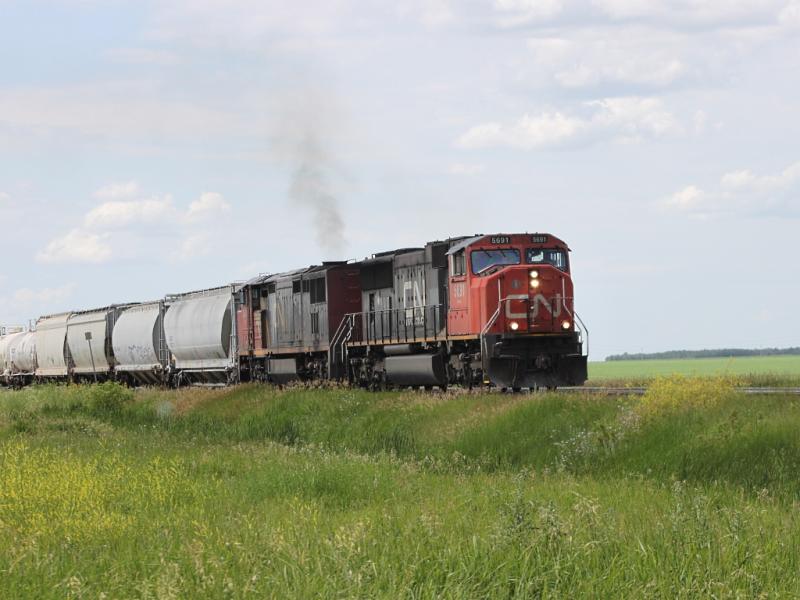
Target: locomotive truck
[{"x": 481, "y": 310}]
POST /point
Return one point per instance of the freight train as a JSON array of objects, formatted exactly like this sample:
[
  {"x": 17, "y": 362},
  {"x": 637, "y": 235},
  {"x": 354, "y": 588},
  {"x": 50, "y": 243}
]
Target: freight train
[{"x": 471, "y": 311}]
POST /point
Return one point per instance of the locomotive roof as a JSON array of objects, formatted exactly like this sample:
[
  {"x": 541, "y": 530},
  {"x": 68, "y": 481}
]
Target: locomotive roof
[
  {"x": 464, "y": 243},
  {"x": 270, "y": 277},
  {"x": 388, "y": 256},
  {"x": 477, "y": 238}
]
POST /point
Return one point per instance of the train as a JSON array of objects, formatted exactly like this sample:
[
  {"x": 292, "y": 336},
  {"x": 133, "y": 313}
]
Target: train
[{"x": 471, "y": 311}]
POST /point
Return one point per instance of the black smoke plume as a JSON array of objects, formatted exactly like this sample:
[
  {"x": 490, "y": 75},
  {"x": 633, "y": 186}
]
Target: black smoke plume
[{"x": 312, "y": 188}]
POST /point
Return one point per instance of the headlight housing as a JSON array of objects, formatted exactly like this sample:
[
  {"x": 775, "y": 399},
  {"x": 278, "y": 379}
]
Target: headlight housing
[
  {"x": 535, "y": 283},
  {"x": 513, "y": 325},
  {"x": 565, "y": 325}
]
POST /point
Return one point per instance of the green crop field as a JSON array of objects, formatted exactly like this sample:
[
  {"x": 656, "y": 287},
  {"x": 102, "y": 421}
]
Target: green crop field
[
  {"x": 690, "y": 491},
  {"x": 759, "y": 368}
]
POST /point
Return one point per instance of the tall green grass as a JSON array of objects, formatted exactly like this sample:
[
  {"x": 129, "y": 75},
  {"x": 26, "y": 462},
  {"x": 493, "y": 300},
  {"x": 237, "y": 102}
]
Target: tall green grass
[{"x": 688, "y": 492}]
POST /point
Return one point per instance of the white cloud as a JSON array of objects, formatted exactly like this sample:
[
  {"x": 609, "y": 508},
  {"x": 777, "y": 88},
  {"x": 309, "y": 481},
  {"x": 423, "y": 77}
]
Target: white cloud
[
  {"x": 618, "y": 119},
  {"x": 118, "y": 191},
  {"x": 137, "y": 225},
  {"x": 742, "y": 193},
  {"x": 77, "y": 246},
  {"x": 194, "y": 246},
  {"x": 546, "y": 129},
  {"x": 116, "y": 214},
  {"x": 430, "y": 13},
  {"x": 517, "y": 12},
  {"x": 587, "y": 58},
  {"x": 208, "y": 205},
  {"x": 633, "y": 118},
  {"x": 698, "y": 12},
  {"x": 128, "y": 111},
  {"x": 26, "y": 302},
  {"x": 790, "y": 15},
  {"x": 247, "y": 22},
  {"x": 689, "y": 198},
  {"x": 465, "y": 169},
  {"x": 144, "y": 56},
  {"x": 27, "y": 297}
]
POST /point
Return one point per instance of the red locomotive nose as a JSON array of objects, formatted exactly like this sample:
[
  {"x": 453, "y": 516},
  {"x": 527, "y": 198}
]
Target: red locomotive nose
[
  {"x": 550, "y": 300},
  {"x": 538, "y": 299}
]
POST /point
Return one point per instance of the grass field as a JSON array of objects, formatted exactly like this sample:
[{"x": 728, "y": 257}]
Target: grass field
[
  {"x": 690, "y": 491},
  {"x": 760, "y": 369}
]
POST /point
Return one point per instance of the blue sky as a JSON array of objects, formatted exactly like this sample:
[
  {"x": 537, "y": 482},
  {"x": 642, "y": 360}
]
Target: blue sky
[{"x": 154, "y": 147}]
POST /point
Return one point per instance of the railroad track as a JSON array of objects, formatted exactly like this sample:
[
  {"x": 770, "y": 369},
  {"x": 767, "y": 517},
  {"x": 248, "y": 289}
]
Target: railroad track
[
  {"x": 639, "y": 391},
  {"x": 626, "y": 391}
]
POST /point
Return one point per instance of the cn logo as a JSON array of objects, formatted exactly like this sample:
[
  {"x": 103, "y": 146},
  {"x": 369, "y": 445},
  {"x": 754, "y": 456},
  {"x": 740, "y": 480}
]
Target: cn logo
[
  {"x": 554, "y": 309},
  {"x": 539, "y": 300},
  {"x": 513, "y": 315}
]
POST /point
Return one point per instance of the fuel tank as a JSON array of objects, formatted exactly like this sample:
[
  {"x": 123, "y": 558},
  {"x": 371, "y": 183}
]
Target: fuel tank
[
  {"x": 416, "y": 369},
  {"x": 282, "y": 370}
]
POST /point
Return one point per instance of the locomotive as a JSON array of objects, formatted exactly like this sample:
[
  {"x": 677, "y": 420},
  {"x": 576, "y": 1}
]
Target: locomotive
[{"x": 482, "y": 310}]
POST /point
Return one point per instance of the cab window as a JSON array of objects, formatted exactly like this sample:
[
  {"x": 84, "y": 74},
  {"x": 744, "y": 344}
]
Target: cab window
[
  {"x": 483, "y": 260},
  {"x": 547, "y": 256},
  {"x": 458, "y": 264}
]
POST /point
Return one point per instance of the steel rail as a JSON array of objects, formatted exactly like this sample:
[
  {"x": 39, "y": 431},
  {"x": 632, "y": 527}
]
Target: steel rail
[{"x": 640, "y": 391}]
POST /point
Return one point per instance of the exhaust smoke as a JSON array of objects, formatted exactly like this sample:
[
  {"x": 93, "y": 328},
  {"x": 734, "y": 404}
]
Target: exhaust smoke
[{"x": 311, "y": 188}]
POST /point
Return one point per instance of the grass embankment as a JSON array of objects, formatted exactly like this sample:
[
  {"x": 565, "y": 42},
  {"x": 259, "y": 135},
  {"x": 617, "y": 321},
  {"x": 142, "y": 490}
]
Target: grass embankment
[
  {"x": 783, "y": 371},
  {"x": 253, "y": 492}
]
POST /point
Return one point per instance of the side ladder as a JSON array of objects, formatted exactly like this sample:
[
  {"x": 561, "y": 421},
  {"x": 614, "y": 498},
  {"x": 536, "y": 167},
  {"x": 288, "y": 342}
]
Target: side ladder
[{"x": 337, "y": 352}]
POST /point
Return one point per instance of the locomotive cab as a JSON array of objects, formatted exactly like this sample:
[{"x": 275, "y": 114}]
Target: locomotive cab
[{"x": 515, "y": 293}]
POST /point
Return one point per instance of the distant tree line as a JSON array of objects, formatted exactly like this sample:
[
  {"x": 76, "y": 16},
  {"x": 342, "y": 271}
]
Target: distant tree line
[{"x": 721, "y": 353}]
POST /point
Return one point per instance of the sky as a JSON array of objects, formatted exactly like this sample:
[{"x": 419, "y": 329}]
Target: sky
[{"x": 157, "y": 147}]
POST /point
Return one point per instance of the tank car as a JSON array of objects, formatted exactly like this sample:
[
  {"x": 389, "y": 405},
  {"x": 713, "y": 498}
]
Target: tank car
[
  {"x": 200, "y": 332},
  {"x": 140, "y": 346},
  {"x": 89, "y": 343},
  {"x": 21, "y": 363},
  {"x": 17, "y": 356},
  {"x": 53, "y": 360}
]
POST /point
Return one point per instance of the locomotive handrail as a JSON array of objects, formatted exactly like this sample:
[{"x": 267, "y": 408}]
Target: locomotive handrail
[
  {"x": 489, "y": 324},
  {"x": 583, "y": 329},
  {"x": 402, "y": 324}
]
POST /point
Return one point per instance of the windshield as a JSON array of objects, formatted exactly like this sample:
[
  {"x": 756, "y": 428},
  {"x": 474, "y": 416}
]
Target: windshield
[
  {"x": 483, "y": 260},
  {"x": 547, "y": 256}
]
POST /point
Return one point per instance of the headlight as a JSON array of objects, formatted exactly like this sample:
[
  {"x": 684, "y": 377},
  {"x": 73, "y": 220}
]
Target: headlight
[
  {"x": 535, "y": 283},
  {"x": 534, "y": 274},
  {"x": 566, "y": 325},
  {"x": 514, "y": 325}
]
